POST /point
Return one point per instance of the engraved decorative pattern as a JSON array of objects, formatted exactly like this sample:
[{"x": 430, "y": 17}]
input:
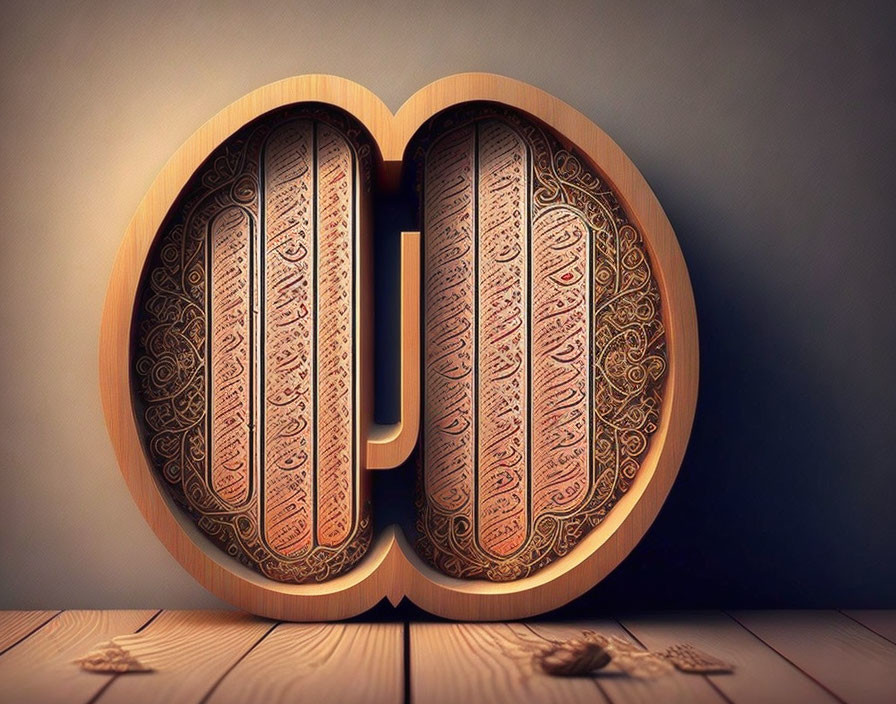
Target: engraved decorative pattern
[
  {"x": 544, "y": 352},
  {"x": 231, "y": 368},
  {"x": 246, "y": 306},
  {"x": 502, "y": 330},
  {"x": 448, "y": 302},
  {"x": 335, "y": 387},
  {"x": 288, "y": 514}
]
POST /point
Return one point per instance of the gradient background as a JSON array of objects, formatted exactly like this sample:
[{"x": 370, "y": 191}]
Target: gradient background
[{"x": 768, "y": 135}]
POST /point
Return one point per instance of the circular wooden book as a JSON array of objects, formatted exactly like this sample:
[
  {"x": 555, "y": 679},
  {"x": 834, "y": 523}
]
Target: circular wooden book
[{"x": 547, "y": 355}]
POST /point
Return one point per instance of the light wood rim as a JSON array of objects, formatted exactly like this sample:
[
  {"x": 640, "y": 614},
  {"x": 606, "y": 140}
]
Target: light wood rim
[{"x": 392, "y": 569}]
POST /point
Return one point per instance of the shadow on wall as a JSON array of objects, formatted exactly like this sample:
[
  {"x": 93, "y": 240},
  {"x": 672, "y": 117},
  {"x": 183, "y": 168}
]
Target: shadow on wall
[
  {"x": 758, "y": 516},
  {"x": 755, "y": 518}
]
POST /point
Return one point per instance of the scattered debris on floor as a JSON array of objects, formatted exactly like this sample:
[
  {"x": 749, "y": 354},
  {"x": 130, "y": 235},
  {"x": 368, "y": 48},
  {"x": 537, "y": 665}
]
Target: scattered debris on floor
[
  {"x": 688, "y": 659},
  {"x": 574, "y": 658},
  {"x": 111, "y": 657},
  {"x": 161, "y": 643},
  {"x": 578, "y": 657}
]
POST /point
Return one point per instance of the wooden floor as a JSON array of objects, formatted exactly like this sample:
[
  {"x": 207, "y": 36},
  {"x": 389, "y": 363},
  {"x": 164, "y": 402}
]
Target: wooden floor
[{"x": 780, "y": 656}]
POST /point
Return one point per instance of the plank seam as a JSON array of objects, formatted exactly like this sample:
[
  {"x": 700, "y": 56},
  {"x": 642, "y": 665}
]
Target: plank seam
[
  {"x": 108, "y": 683},
  {"x": 718, "y": 690},
  {"x": 406, "y": 659},
  {"x": 237, "y": 662},
  {"x": 149, "y": 621},
  {"x": 784, "y": 657},
  {"x": 594, "y": 680},
  {"x": 867, "y": 627},
  {"x": 30, "y": 633},
  {"x": 705, "y": 678}
]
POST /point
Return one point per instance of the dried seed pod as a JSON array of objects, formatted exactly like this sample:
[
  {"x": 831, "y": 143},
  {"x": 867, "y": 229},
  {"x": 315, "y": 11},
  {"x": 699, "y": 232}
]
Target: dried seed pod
[{"x": 573, "y": 658}]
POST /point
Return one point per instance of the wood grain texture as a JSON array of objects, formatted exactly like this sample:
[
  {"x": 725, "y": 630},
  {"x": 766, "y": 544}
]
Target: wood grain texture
[
  {"x": 843, "y": 656},
  {"x": 454, "y": 663},
  {"x": 355, "y": 662},
  {"x": 15, "y": 625},
  {"x": 760, "y": 674},
  {"x": 391, "y": 568},
  {"x": 675, "y": 687},
  {"x": 42, "y": 669},
  {"x": 882, "y": 622},
  {"x": 230, "y": 368},
  {"x": 231, "y": 657},
  {"x": 189, "y": 652}
]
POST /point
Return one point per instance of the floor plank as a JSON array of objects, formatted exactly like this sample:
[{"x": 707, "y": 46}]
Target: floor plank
[
  {"x": 221, "y": 657},
  {"x": 761, "y": 675},
  {"x": 189, "y": 651},
  {"x": 674, "y": 687},
  {"x": 461, "y": 663},
  {"x": 15, "y": 625},
  {"x": 354, "y": 662},
  {"x": 882, "y": 622},
  {"x": 844, "y": 656},
  {"x": 41, "y": 668}
]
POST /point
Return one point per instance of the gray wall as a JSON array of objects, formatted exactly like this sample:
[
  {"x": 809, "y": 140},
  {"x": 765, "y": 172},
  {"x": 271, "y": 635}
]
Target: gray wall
[{"x": 768, "y": 135}]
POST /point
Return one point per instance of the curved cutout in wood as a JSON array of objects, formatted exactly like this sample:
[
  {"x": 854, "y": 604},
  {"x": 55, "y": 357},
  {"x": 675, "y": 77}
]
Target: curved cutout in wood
[{"x": 388, "y": 446}]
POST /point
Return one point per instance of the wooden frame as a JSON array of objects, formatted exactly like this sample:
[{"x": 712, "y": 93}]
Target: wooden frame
[{"x": 391, "y": 568}]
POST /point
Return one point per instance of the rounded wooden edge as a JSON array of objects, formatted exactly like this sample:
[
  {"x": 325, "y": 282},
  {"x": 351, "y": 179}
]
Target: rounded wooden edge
[
  {"x": 605, "y": 547},
  {"x": 388, "y": 446},
  {"x": 392, "y": 569},
  {"x": 345, "y": 596}
]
